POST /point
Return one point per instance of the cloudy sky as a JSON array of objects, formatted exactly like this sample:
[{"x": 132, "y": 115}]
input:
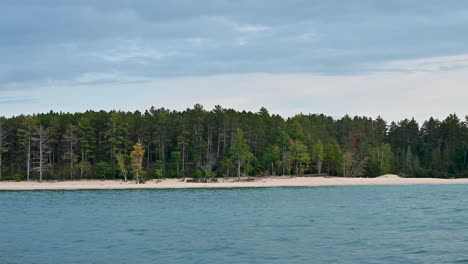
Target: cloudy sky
[{"x": 394, "y": 58}]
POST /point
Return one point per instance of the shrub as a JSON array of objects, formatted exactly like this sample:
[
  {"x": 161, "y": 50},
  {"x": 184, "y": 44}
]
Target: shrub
[
  {"x": 158, "y": 173},
  {"x": 19, "y": 177}
]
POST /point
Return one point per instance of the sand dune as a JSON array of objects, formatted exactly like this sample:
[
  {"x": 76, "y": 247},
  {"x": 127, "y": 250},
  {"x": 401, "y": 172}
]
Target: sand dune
[{"x": 226, "y": 183}]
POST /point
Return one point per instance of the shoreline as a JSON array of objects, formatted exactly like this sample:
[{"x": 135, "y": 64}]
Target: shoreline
[{"x": 257, "y": 182}]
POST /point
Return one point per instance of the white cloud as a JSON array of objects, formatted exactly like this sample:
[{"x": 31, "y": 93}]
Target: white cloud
[
  {"x": 428, "y": 64},
  {"x": 132, "y": 51},
  {"x": 392, "y": 94},
  {"x": 199, "y": 41},
  {"x": 241, "y": 42},
  {"x": 252, "y": 28},
  {"x": 309, "y": 36}
]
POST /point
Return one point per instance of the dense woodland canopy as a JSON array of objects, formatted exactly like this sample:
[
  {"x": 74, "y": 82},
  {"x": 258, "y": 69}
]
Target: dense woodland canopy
[{"x": 224, "y": 142}]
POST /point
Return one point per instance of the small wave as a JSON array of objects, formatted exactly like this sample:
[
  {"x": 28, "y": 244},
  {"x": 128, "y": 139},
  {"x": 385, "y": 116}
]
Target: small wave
[{"x": 419, "y": 252}]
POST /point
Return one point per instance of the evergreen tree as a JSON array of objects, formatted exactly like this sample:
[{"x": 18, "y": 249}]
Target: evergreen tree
[
  {"x": 42, "y": 160},
  {"x": 90, "y": 142},
  {"x": 3, "y": 148},
  {"x": 300, "y": 156},
  {"x": 318, "y": 155},
  {"x": 240, "y": 151},
  {"x": 70, "y": 140},
  {"x": 25, "y": 136},
  {"x": 333, "y": 157}
]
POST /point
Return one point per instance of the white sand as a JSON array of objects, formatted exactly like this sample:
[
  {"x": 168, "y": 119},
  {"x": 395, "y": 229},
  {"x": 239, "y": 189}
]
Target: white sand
[{"x": 227, "y": 183}]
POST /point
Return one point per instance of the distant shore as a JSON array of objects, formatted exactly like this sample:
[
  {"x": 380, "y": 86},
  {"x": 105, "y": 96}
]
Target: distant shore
[{"x": 258, "y": 182}]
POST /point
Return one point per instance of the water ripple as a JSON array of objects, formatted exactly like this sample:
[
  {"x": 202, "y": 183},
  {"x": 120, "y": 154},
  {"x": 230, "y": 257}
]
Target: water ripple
[{"x": 368, "y": 224}]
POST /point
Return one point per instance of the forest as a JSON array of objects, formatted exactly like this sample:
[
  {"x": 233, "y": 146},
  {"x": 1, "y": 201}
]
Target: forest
[{"x": 202, "y": 143}]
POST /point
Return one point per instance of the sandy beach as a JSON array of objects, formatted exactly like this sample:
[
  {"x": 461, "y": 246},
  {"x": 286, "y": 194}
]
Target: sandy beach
[{"x": 263, "y": 182}]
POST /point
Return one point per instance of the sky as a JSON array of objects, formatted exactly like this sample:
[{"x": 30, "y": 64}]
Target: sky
[{"x": 397, "y": 59}]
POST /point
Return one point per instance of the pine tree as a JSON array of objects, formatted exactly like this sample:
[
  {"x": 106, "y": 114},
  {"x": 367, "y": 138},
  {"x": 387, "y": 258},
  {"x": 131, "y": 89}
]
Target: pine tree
[
  {"x": 240, "y": 151},
  {"x": 24, "y": 135},
  {"x": 333, "y": 157},
  {"x": 3, "y": 148},
  {"x": 318, "y": 155},
  {"x": 299, "y": 155},
  {"x": 70, "y": 140},
  {"x": 41, "y": 154},
  {"x": 87, "y": 145},
  {"x": 116, "y": 136},
  {"x": 176, "y": 157}
]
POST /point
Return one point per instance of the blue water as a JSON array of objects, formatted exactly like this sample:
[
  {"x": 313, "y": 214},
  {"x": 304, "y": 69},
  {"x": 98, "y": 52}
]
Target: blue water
[{"x": 400, "y": 224}]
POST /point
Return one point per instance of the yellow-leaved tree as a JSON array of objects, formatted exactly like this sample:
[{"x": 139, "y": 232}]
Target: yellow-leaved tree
[{"x": 137, "y": 155}]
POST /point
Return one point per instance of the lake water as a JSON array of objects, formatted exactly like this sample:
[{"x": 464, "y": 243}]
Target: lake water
[{"x": 399, "y": 224}]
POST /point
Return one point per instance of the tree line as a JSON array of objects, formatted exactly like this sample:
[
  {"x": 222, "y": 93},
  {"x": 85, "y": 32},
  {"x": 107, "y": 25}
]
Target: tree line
[{"x": 226, "y": 143}]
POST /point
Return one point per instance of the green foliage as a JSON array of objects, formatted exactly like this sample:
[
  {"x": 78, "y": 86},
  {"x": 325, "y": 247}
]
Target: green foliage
[
  {"x": 199, "y": 173},
  {"x": 272, "y": 160},
  {"x": 143, "y": 175},
  {"x": 240, "y": 152},
  {"x": 231, "y": 143},
  {"x": 85, "y": 168},
  {"x": 122, "y": 164},
  {"x": 104, "y": 170},
  {"x": 209, "y": 174},
  {"x": 172, "y": 174},
  {"x": 386, "y": 160},
  {"x": 318, "y": 154},
  {"x": 158, "y": 173},
  {"x": 333, "y": 157},
  {"x": 300, "y": 156},
  {"x": 19, "y": 177},
  {"x": 159, "y": 169},
  {"x": 353, "y": 165},
  {"x": 177, "y": 157}
]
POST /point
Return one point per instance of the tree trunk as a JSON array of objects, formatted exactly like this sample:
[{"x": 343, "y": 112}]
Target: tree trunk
[
  {"x": 148, "y": 157},
  {"x": 344, "y": 170},
  {"x": 208, "y": 146},
  {"x": 112, "y": 162},
  {"x": 28, "y": 159},
  {"x": 40, "y": 153},
  {"x": 1, "y": 150},
  {"x": 218, "y": 148},
  {"x": 284, "y": 162},
  {"x": 71, "y": 159},
  {"x": 183, "y": 157},
  {"x": 238, "y": 169},
  {"x": 319, "y": 166},
  {"x": 224, "y": 139},
  {"x": 99, "y": 148},
  {"x": 464, "y": 161},
  {"x": 81, "y": 167}
]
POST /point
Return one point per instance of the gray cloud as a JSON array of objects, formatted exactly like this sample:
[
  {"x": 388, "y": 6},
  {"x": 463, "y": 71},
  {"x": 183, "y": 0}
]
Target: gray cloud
[
  {"x": 16, "y": 100},
  {"x": 61, "y": 41}
]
